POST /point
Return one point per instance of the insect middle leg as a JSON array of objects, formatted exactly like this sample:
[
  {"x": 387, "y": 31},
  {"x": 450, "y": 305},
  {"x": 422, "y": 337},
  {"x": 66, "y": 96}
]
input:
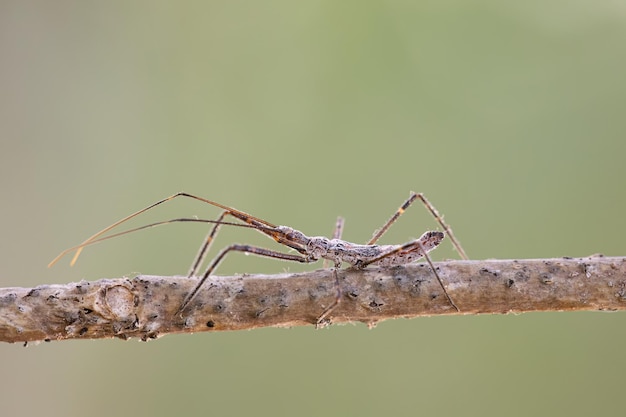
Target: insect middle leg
[
  {"x": 239, "y": 248},
  {"x": 206, "y": 245}
]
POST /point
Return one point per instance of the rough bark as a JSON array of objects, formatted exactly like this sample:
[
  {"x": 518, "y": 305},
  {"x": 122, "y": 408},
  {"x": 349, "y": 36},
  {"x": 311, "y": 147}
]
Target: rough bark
[{"x": 144, "y": 306}]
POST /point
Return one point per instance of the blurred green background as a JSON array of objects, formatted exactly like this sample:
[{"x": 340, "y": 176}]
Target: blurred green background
[{"x": 509, "y": 116}]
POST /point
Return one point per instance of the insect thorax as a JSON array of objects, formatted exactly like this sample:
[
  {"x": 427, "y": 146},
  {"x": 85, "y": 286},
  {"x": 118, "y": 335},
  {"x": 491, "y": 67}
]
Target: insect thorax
[{"x": 339, "y": 251}]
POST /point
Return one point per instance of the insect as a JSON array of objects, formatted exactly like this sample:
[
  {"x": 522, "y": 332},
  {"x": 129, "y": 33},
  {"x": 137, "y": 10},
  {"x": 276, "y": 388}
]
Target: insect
[{"x": 305, "y": 249}]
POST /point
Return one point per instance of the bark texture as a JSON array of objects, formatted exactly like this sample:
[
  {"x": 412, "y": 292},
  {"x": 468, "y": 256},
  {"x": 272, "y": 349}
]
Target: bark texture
[{"x": 144, "y": 306}]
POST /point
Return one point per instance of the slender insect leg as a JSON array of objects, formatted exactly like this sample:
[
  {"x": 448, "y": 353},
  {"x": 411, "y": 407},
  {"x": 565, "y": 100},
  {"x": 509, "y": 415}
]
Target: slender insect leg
[
  {"x": 433, "y": 211},
  {"x": 336, "y": 235},
  {"x": 239, "y": 248},
  {"x": 338, "y": 228},
  {"x": 322, "y": 320},
  {"x": 378, "y": 233},
  {"x": 427, "y": 242},
  {"x": 206, "y": 245},
  {"x": 432, "y": 267},
  {"x": 446, "y": 228}
]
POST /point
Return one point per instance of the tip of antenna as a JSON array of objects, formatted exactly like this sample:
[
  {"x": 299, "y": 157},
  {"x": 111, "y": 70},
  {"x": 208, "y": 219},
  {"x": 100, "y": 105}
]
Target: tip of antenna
[
  {"x": 55, "y": 260},
  {"x": 62, "y": 254},
  {"x": 76, "y": 255}
]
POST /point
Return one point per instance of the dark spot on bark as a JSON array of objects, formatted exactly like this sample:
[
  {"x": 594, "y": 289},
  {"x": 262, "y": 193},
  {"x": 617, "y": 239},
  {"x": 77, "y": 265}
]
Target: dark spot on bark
[
  {"x": 46, "y": 340},
  {"x": 87, "y": 310},
  {"x": 554, "y": 269},
  {"x": 71, "y": 318},
  {"x": 210, "y": 324},
  {"x": 522, "y": 275},
  {"x": 8, "y": 299},
  {"x": 82, "y": 331},
  {"x": 33, "y": 293},
  {"x": 510, "y": 282},
  {"x": 485, "y": 271}
]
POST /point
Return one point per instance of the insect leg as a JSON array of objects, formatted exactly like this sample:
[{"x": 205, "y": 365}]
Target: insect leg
[
  {"x": 378, "y": 233},
  {"x": 322, "y": 320},
  {"x": 427, "y": 242},
  {"x": 239, "y": 248},
  {"x": 446, "y": 227},
  {"x": 433, "y": 211},
  {"x": 206, "y": 245},
  {"x": 336, "y": 235},
  {"x": 432, "y": 267},
  {"x": 338, "y": 228}
]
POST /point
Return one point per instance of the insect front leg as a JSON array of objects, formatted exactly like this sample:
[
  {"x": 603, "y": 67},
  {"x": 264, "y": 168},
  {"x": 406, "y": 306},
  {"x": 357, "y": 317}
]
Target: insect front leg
[
  {"x": 431, "y": 208},
  {"x": 417, "y": 248}
]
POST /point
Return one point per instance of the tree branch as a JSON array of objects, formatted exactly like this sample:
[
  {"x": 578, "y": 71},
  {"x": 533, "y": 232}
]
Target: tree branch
[{"x": 144, "y": 306}]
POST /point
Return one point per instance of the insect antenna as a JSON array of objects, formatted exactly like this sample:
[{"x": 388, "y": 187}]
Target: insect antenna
[{"x": 92, "y": 241}]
